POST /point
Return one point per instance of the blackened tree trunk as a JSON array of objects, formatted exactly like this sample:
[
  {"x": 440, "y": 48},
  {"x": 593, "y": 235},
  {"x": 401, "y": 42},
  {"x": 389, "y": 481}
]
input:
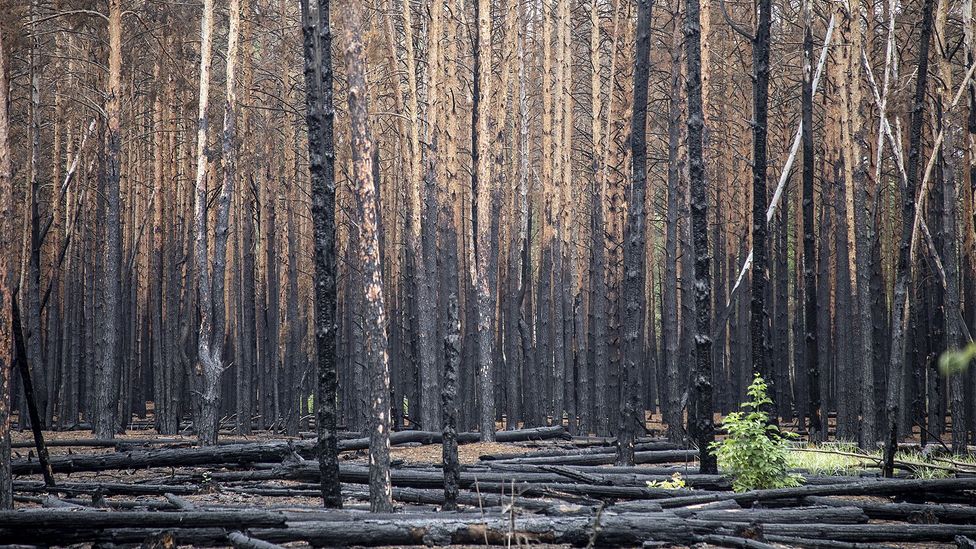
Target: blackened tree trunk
[
  {"x": 631, "y": 416},
  {"x": 810, "y": 355},
  {"x": 31, "y": 298},
  {"x": 760, "y": 114},
  {"x": 671, "y": 406},
  {"x": 107, "y": 373},
  {"x": 374, "y": 310},
  {"x": 449, "y": 407},
  {"x": 6, "y": 284},
  {"x": 903, "y": 273},
  {"x": 700, "y": 423},
  {"x": 320, "y": 115}
]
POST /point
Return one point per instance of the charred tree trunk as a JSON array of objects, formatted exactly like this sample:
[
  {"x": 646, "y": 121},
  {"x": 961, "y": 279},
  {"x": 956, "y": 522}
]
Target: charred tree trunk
[
  {"x": 810, "y": 317},
  {"x": 903, "y": 273},
  {"x": 317, "y": 47},
  {"x": 671, "y": 410},
  {"x": 631, "y": 416},
  {"x": 700, "y": 423},
  {"x": 760, "y": 114}
]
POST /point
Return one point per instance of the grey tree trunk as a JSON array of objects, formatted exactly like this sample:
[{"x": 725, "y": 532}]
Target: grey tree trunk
[
  {"x": 6, "y": 284},
  {"x": 671, "y": 407},
  {"x": 380, "y": 489},
  {"x": 107, "y": 369}
]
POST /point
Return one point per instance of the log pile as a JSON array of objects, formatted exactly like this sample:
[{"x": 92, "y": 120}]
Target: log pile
[{"x": 559, "y": 494}]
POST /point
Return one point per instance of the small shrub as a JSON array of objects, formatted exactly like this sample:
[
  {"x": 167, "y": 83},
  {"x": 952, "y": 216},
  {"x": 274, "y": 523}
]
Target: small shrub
[
  {"x": 755, "y": 453},
  {"x": 676, "y": 482}
]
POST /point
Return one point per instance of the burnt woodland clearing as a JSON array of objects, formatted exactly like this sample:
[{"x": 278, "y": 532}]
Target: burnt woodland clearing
[{"x": 488, "y": 272}]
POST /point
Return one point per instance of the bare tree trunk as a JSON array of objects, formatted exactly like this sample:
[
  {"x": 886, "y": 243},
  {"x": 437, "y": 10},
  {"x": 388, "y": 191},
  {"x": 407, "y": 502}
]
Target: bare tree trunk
[
  {"x": 6, "y": 284},
  {"x": 598, "y": 253},
  {"x": 380, "y": 490},
  {"x": 950, "y": 243},
  {"x": 317, "y": 44},
  {"x": 863, "y": 224},
  {"x": 903, "y": 274},
  {"x": 671, "y": 410},
  {"x": 810, "y": 355},
  {"x": 481, "y": 225},
  {"x": 631, "y": 417},
  {"x": 209, "y": 353},
  {"x": 700, "y": 422},
  {"x": 107, "y": 369},
  {"x": 760, "y": 114},
  {"x": 449, "y": 409}
]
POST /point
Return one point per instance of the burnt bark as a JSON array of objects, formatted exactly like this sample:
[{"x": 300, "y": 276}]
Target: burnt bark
[
  {"x": 810, "y": 317},
  {"x": 700, "y": 422},
  {"x": 631, "y": 414},
  {"x": 320, "y": 115},
  {"x": 903, "y": 275}
]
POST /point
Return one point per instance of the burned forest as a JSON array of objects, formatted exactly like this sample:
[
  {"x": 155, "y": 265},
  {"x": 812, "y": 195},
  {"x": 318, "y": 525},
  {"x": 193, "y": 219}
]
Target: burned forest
[{"x": 596, "y": 273}]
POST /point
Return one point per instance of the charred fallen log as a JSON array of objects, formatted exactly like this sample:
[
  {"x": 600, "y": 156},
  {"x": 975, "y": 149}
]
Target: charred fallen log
[
  {"x": 30, "y": 519},
  {"x": 607, "y": 458},
  {"x": 251, "y": 452},
  {"x": 908, "y": 512},
  {"x": 881, "y": 487}
]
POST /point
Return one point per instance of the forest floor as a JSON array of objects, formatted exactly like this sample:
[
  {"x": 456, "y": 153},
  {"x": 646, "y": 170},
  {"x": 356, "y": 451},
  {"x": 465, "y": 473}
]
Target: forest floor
[{"x": 559, "y": 492}]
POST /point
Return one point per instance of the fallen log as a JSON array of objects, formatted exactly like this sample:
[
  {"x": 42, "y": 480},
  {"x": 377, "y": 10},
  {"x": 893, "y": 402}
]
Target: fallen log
[
  {"x": 612, "y": 531},
  {"x": 733, "y": 541},
  {"x": 640, "y": 447},
  {"x": 906, "y": 512},
  {"x": 622, "y": 476},
  {"x": 242, "y": 541},
  {"x": 152, "y": 505},
  {"x": 870, "y": 533},
  {"x": 880, "y": 487},
  {"x": 166, "y": 457},
  {"x": 609, "y": 530},
  {"x": 431, "y": 497},
  {"x": 105, "y": 488},
  {"x": 146, "y": 537},
  {"x": 103, "y": 442},
  {"x": 551, "y": 489},
  {"x": 607, "y": 458},
  {"x": 254, "y": 452},
  {"x": 93, "y": 520},
  {"x": 820, "y": 514},
  {"x": 791, "y": 541}
]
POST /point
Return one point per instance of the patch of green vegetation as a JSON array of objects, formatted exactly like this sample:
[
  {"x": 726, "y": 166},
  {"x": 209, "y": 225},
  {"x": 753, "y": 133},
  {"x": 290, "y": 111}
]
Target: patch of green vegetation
[
  {"x": 838, "y": 458},
  {"x": 846, "y": 459},
  {"x": 755, "y": 453},
  {"x": 922, "y": 465},
  {"x": 676, "y": 482}
]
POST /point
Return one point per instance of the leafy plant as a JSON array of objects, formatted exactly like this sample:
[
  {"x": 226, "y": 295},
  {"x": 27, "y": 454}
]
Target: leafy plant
[
  {"x": 754, "y": 453},
  {"x": 676, "y": 482}
]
